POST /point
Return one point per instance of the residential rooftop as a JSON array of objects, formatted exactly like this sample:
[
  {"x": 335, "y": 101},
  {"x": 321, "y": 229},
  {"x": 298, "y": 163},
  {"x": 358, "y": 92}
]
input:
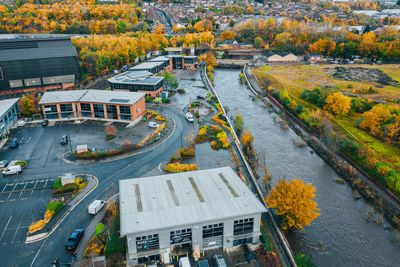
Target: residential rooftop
[
  {"x": 92, "y": 95},
  {"x": 179, "y": 199},
  {"x": 6, "y": 104}
]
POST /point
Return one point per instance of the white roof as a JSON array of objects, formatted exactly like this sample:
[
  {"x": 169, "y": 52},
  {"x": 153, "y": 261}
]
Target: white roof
[
  {"x": 91, "y": 95},
  {"x": 172, "y": 200},
  {"x": 6, "y": 104}
]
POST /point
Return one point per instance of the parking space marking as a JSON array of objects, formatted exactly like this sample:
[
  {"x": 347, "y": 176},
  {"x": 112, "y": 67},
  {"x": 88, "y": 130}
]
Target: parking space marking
[
  {"x": 17, "y": 230},
  {"x": 34, "y": 188},
  {"x": 4, "y": 188},
  {"x": 11, "y": 193},
  {"x": 9, "y": 219},
  {"x": 46, "y": 183},
  {"x": 22, "y": 190}
]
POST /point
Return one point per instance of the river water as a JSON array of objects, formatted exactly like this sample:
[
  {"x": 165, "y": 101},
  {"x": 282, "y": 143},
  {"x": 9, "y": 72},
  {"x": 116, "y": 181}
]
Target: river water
[{"x": 341, "y": 235}]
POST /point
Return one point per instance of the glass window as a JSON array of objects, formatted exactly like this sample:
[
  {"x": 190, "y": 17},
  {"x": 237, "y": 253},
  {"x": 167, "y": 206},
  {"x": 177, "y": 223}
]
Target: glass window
[
  {"x": 112, "y": 112},
  {"x": 181, "y": 236},
  {"x": 50, "y": 108},
  {"x": 65, "y": 107},
  {"x": 125, "y": 109},
  {"x": 98, "y": 110},
  {"x": 85, "y": 107},
  {"x": 243, "y": 226},
  {"x": 145, "y": 243},
  {"x": 213, "y": 230}
]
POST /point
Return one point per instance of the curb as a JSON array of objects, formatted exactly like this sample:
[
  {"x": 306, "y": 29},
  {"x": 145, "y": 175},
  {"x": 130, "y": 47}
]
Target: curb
[{"x": 38, "y": 237}]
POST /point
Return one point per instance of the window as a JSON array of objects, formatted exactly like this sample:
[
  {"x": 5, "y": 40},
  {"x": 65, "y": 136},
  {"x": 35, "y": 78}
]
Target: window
[
  {"x": 112, "y": 112},
  {"x": 243, "y": 226},
  {"x": 148, "y": 259},
  {"x": 65, "y": 107},
  {"x": 85, "y": 107},
  {"x": 125, "y": 109},
  {"x": 1, "y": 74},
  {"x": 213, "y": 230},
  {"x": 15, "y": 83},
  {"x": 144, "y": 243},
  {"x": 98, "y": 110},
  {"x": 181, "y": 236},
  {"x": 50, "y": 108},
  {"x": 242, "y": 241}
]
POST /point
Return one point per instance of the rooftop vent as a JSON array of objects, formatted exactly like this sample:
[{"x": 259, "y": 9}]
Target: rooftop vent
[{"x": 196, "y": 189}]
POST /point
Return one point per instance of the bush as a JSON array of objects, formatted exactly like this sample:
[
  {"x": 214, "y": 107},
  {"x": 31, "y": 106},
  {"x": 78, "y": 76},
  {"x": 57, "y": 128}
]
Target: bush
[
  {"x": 21, "y": 163},
  {"x": 98, "y": 155},
  {"x": 149, "y": 99},
  {"x": 315, "y": 96},
  {"x": 114, "y": 245},
  {"x": 68, "y": 188},
  {"x": 181, "y": 91},
  {"x": 177, "y": 167},
  {"x": 99, "y": 229},
  {"x": 166, "y": 100},
  {"x": 55, "y": 206},
  {"x": 159, "y": 118},
  {"x": 303, "y": 261},
  {"x": 359, "y": 105},
  {"x": 57, "y": 183},
  {"x": 188, "y": 152}
]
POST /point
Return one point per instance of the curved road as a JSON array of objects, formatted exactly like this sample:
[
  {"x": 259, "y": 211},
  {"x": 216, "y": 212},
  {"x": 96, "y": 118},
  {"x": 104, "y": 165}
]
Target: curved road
[{"x": 43, "y": 252}]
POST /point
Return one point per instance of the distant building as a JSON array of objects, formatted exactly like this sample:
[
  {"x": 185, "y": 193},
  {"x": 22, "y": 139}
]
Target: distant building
[
  {"x": 31, "y": 65},
  {"x": 138, "y": 81},
  {"x": 173, "y": 215},
  {"x": 9, "y": 109},
  {"x": 314, "y": 57},
  {"x": 153, "y": 67},
  {"x": 99, "y": 104},
  {"x": 281, "y": 57}
]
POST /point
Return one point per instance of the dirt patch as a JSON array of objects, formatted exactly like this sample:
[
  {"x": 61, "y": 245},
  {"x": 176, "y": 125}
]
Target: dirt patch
[{"x": 359, "y": 74}]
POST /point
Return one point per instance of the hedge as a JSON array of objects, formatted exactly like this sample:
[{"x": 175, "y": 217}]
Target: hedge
[
  {"x": 55, "y": 206},
  {"x": 68, "y": 188},
  {"x": 98, "y": 155},
  {"x": 57, "y": 183}
]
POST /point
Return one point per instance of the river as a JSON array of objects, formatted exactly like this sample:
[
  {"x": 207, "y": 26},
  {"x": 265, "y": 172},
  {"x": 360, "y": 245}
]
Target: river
[{"x": 341, "y": 235}]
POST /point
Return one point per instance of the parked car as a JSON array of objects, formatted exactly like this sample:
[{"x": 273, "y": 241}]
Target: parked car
[
  {"x": 203, "y": 263},
  {"x": 12, "y": 170},
  {"x": 14, "y": 143},
  {"x": 189, "y": 117},
  {"x": 64, "y": 140},
  {"x": 22, "y": 123},
  {"x": 153, "y": 124},
  {"x": 45, "y": 123},
  {"x": 74, "y": 239},
  {"x": 219, "y": 261},
  {"x": 3, "y": 164},
  {"x": 96, "y": 206},
  {"x": 200, "y": 97}
]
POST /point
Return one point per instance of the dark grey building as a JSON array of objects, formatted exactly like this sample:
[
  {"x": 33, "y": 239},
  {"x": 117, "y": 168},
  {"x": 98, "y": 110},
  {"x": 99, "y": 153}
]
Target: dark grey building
[{"x": 29, "y": 65}]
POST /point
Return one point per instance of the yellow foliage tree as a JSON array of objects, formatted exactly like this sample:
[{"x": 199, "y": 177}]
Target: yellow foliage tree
[
  {"x": 159, "y": 29},
  {"x": 338, "y": 104},
  {"x": 227, "y": 35},
  {"x": 293, "y": 201}
]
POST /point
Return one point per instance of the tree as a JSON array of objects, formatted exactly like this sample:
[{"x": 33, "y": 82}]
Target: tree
[
  {"x": 27, "y": 105},
  {"x": 227, "y": 35},
  {"x": 159, "y": 29},
  {"x": 111, "y": 130},
  {"x": 293, "y": 201},
  {"x": 338, "y": 104}
]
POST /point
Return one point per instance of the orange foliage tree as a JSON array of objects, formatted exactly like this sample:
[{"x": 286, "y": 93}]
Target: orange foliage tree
[
  {"x": 338, "y": 104},
  {"x": 293, "y": 201},
  {"x": 227, "y": 35}
]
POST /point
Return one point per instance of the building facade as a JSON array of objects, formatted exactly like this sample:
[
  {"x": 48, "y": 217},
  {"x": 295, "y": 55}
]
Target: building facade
[
  {"x": 96, "y": 104},
  {"x": 31, "y": 65},
  {"x": 138, "y": 81},
  {"x": 9, "y": 109},
  {"x": 176, "y": 214}
]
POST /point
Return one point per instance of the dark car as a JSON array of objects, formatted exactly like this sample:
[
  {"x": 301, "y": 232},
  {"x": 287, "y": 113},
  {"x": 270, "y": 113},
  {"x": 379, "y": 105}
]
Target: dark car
[
  {"x": 200, "y": 97},
  {"x": 74, "y": 239},
  {"x": 45, "y": 123},
  {"x": 64, "y": 140},
  {"x": 203, "y": 263},
  {"x": 14, "y": 143},
  {"x": 3, "y": 164}
]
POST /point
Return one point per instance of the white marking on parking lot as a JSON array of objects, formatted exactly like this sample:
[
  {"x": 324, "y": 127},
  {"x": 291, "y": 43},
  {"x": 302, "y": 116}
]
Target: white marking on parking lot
[
  {"x": 11, "y": 193},
  {"x": 4, "y": 188},
  {"x": 22, "y": 190},
  {"x": 29, "y": 139},
  {"x": 9, "y": 219},
  {"x": 34, "y": 188},
  {"x": 17, "y": 230},
  {"x": 46, "y": 183}
]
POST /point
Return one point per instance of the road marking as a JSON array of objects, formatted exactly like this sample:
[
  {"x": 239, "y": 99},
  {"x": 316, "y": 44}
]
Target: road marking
[
  {"x": 1, "y": 201},
  {"x": 11, "y": 200},
  {"x": 29, "y": 139},
  {"x": 11, "y": 192},
  {"x": 4, "y": 188},
  {"x": 9, "y": 219},
  {"x": 24, "y": 198},
  {"x": 22, "y": 191},
  {"x": 37, "y": 253},
  {"x": 34, "y": 188},
  {"x": 46, "y": 183},
  {"x": 17, "y": 230}
]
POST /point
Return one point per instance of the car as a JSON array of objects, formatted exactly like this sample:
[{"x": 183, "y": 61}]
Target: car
[
  {"x": 45, "y": 123},
  {"x": 153, "y": 124},
  {"x": 200, "y": 97},
  {"x": 189, "y": 117},
  {"x": 14, "y": 143},
  {"x": 219, "y": 261},
  {"x": 3, "y": 164},
  {"x": 64, "y": 140},
  {"x": 203, "y": 263},
  {"x": 22, "y": 123},
  {"x": 74, "y": 239}
]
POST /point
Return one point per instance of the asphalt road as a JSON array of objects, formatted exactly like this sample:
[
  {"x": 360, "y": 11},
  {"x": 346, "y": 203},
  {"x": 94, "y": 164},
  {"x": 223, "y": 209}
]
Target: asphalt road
[{"x": 44, "y": 159}]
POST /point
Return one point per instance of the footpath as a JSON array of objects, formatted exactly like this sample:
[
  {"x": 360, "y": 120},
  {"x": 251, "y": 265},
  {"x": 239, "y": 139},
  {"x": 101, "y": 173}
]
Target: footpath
[{"x": 65, "y": 211}]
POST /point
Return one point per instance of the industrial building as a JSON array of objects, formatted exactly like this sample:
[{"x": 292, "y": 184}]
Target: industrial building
[
  {"x": 97, "y": 104},
  {"x": 32, "y": 65},
  {"x": 9, "y": 109},
  {"x": 153, "y": 67},
  {"x": 138, "y": 81},
  {"x": 170, "y": 215}
]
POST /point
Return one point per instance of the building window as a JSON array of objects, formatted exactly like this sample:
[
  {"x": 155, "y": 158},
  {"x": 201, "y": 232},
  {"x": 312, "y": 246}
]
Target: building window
[
  {"x": 16, "y": 83},
  {"x": 112, "y": 112},
  {"x": 85, "y": 107},
  {"x": 125, "y": 109},
  {"x": 50, "y": 108},
  {"x": 242, "y": 241},
  {"x": 213, "y": 230},
  {"x": 1, "y": 74},
  {"x": 65, "y": 107},
  {"x": 148, "y": 259},
  {"x": 98, "y": 110},
  {"x": 245, "y": 226},
  {"x": 181, "y": 236},
  {"x": 149, "y": 242}
]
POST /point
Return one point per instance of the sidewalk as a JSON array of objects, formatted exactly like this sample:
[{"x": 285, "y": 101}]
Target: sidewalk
[{"x": 57, "y": 220}]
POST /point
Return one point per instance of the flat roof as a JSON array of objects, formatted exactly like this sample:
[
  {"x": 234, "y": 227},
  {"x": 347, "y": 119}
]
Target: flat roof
[
  {"x": 146, "y": 65},
  {"x": 6, "y": 104},
  {"x": 92, "y": 95},
  {"x": 179, "y": 199},
  {"x": 159, "y": 59},
  {"x": 130, "y": 77}
]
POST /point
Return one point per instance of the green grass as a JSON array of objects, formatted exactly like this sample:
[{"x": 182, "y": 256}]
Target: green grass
[
  {"x": 99, "y": 229},
  {"x": 21, "y": 163}
]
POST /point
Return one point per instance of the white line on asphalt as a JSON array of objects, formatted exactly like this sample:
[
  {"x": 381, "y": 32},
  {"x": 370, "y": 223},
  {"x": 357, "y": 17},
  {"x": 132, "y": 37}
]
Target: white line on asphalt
[
  {"x": 9, "y": 219},
  {"x": 22, "y": 191},
  {"x": 11, "y": 192},
  {"x": 34, "y": 188},
  {"x": 17, "y": 230},
  {"x": 4, "y": 188},
  {"x": 46, "y": 183},
  {"x": 37, "y": 253}
]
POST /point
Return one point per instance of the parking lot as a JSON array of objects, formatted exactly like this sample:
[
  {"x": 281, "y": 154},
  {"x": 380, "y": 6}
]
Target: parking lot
[{"x": 20, "y": 205}]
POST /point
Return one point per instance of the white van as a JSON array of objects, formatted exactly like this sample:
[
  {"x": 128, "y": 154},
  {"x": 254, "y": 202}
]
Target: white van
[
  {"x": 12, "y": 170},
  {"x": 184, "y": 262},
  {"x": 96, "y": 206}
]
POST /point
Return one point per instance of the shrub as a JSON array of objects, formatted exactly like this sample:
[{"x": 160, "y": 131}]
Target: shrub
[
  {"x": 94, "y": 247},
  {"x": 166, "y": 100},
  {"x": 315, "y": 96},
  {"x": 303, "y": 261},
  {"x": 21, "y": 163},
  {"x": 188, "y": 152},
  {"x": 159, "y": 118},
  {"x": 55, "y": 206},
  {"x": 178, "y": 167},
  {"x": 181, "y": 91},
  {"x": 36, "y": 226},
  {"x": 359, "y": 105},
  {"x": 111, "y": 130},
  {"x": 99, "y": 229},
  {"x": 114, "y": 245},
  {"x": 68, "y": 188},
  {"x": 149, "y": 99},
  {"x": 57, "y": 183}
]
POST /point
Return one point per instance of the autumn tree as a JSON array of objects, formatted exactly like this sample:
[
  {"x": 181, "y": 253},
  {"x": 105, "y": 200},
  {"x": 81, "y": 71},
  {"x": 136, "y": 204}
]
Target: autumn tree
[
  {"x": 111, "y": 130},
  {"x": 159, "y": 29},
  {"x": 27, "y": 104},
  {"x": 203, "y": 26},
  {"x": 325, "y": 46},
  {"x": 294, "y": 202},
  {"x": 338, "y": 104},
  {"x": 227, "y": 35}
]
